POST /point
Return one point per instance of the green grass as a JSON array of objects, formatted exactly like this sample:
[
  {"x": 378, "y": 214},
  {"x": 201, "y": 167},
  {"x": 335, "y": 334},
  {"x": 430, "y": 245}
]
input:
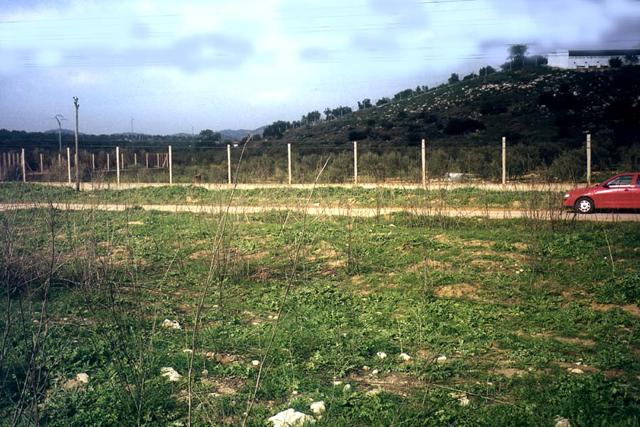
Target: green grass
[
  {"x": 511, "y": 304},
  {"x": 471, "y": 197}
]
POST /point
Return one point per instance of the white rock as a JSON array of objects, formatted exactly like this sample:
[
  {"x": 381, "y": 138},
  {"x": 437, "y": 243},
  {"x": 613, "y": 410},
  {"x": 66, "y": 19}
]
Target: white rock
[
  {"x": 381, "y": 355},
  {"x": 255, "y": 363},
  {"x": 290, "y": 418},
  {"x": 187, "y": 350},
  {"x": 365, "y": 368},
  {"x": 375, "y": 372},
  {"x": 562, "y": 422},
  {"x": 82, "y": 378},
  {"x": 171, "y": 374},
  {"x": 337, "y": 382},
  {"x": 576, "y": 371},
  {"x": 441, "y": 359},
  {"x": 405, "y": 357},
  {"x": 318, "y": 408},
  {"x": 346, "y": 387},
  {"x": 464, "y": 400},
  {"x": 171, "y": 324}
]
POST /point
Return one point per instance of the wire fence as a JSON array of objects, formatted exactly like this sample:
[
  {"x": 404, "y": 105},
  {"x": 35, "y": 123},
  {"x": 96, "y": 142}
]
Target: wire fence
[{"x": 279, "y": 163}]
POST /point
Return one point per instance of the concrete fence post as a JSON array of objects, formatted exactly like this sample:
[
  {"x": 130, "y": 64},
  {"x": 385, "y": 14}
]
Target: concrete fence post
[
  {"x": 118, "y": 166},
  {"x": 355, "y": 162},
  {"x": 93, "y": 161},
  {"x": 229, "y": 163},
  {"x": 108, "y": 162},
  {"x": 146, "y": 159},
  {"x": 158, "y": 160},
  {"x": 170, "y": 167},
  {"x": 289, "y": 161},
  {"x": 424, "y": 164},
  {"x": 589, "y": 159},
  {"x": 69, "y": 165},
  {"x": 135, "y": 159},
  {"x": 504, "y": 160},
  {"x": 23, "y": 166},
  {"x": 41, "y": 163}
]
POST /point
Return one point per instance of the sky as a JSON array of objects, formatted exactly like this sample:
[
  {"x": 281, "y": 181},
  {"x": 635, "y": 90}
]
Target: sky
[{"x": 164, "y": 67}]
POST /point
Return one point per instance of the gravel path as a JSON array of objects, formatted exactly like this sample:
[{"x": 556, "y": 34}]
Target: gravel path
[{"x": 333, "y": 211}]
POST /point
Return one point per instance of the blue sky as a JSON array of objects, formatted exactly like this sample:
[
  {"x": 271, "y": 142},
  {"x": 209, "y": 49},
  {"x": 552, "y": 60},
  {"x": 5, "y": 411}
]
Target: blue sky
[{"x": 174, "y": 66}]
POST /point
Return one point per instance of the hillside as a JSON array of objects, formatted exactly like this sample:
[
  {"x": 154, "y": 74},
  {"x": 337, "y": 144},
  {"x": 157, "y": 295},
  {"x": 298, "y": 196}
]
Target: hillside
[{"x": 545, "y": 111}]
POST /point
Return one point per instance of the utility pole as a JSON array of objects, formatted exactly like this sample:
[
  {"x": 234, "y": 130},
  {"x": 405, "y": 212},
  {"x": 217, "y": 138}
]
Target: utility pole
[
  {"x": 77, "y": 155},
  {"x": 59, "y": 118}
]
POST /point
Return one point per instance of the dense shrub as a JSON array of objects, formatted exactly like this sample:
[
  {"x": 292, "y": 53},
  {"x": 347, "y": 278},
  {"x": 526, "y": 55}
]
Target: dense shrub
[{"x": 457, "y": 126}]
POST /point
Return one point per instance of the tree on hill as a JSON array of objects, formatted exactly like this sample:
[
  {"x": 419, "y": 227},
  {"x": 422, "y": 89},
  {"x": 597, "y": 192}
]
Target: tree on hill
[
  {"x": 311, "y": 117},
  {"x": 341, "y": 111},
  {"x": 382, "y": 101},
  {"x": 454, "y": 78},
  {"x": 518, "y": 59},
  {"x": 403, "y": 94},
  {"x": 276, "y": 129},
  {"x": 485, "y": 71},
  {"x": 631, "y": 59},
  {"x": 208, "y": 138},
  {"x": 364, "y": 104},
  {"x": 615, "y": 62},
  {"x": 517, "y": 54}
]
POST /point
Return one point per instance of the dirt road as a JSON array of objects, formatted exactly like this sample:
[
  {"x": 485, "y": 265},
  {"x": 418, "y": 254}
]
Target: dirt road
[{"x": 333, "y": 211}]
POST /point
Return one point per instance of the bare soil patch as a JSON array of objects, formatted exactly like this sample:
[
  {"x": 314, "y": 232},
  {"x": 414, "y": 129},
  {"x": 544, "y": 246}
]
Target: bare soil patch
[
  {"x": 632, "y": 309},
  {"x": 430, "y": 264},
  {"x": 223, "y": 386},
  {"x": 574, "y": 367},
  {"x": 359, "y": 286},
  {"x": 583, "y": 342},
  {"x": 395, "y": 382},
  {"x": 262, "y": 274},
  {"x": 509, "y": 372},
  {"x": 198, "y": 255},
  {"x": 461, "y": 290}
]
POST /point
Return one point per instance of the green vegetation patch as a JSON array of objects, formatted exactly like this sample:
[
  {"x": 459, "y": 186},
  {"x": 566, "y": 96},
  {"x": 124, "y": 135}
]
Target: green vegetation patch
[{"x": 407, "y": 320}]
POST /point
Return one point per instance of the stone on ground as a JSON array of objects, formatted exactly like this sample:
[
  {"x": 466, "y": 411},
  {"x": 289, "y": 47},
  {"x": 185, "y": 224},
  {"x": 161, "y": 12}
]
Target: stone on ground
[
  {"x": 171, "y": 374},
  {"x": 290, "y": 418}
]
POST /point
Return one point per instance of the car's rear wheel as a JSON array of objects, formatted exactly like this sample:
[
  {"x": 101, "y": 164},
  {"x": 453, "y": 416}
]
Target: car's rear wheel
[{"x": 584, "y": 205}]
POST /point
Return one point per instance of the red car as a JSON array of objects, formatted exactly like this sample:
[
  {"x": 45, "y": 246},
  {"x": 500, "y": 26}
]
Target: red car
[{"x": 619, "y": 192}]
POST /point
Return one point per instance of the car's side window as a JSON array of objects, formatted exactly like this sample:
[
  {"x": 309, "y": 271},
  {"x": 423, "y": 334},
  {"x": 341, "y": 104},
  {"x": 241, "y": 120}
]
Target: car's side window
[{"x": 621, "y": 181}]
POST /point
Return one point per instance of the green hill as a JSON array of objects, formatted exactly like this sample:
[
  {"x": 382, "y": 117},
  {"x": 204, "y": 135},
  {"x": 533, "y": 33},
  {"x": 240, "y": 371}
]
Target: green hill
[{"x": 544, "y": 113}]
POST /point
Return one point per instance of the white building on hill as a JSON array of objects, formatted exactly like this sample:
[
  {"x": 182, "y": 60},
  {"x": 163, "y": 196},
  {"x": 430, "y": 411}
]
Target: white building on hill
[{"x": 585, "y": 59}]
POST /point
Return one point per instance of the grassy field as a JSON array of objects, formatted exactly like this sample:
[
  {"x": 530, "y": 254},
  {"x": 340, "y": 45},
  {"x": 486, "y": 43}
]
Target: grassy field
[
  {"x": 470, "y": 197},
  {"x": 505, "y": 322}
]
